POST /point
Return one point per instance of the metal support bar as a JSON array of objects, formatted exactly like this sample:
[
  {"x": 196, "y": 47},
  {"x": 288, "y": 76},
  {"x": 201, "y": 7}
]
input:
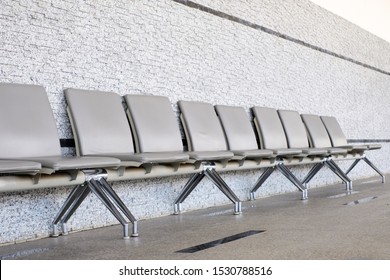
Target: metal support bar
[
  {"x": 209, "y": 172},
  {"x": 116, "y": 199},
  {"x": 333, "y": 167},
  {"x": 375, "y": 168},
  {"x": 69, "y": 203},
  {"x": 187, "y": 189},
  {"x": 366, "y": 160},
  {"x": 337, "y": 170},
  {"x": 221, "y": 184},
  {"x": 315, "y": 169},
  {"x": 286, "y": 173},
  {"x": 95, "y": 188},
  {"x": 73, "y": 208},
  {"x": 264, "y": 176},
  {"x": 76, "y": 191},
  {"x": 291, "y": 177},
  {"x": 353, "y": 165},
  {"x": 95, "y": 182}
]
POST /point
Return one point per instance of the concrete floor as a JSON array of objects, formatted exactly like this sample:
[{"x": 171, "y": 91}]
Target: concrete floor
[{"x": 329, "y": 225}]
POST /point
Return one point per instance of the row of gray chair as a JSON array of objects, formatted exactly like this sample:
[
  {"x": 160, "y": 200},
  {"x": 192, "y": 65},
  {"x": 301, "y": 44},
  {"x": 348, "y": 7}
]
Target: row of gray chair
[{"x": 114, "y": 143}]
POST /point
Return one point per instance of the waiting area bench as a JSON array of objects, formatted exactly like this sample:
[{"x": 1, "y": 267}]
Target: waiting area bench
[{"x": 129, "y": 137}]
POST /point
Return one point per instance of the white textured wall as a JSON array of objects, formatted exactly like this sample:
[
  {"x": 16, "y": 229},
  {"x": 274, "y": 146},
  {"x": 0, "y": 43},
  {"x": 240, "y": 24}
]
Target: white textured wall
[
  {"x": 166, "y": 48},
  {"x": 309, "y": 22}
]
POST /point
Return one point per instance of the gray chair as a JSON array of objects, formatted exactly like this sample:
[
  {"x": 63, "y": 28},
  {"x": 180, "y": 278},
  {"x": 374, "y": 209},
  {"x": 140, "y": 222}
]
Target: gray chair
[
  {"x": 239, "y": 133},
  {"x": 100, "y": 127},
  {"x": 241, "y": 139},
  {"x": 206, "y": 146},
  {"x": 155, "y": 129},
  {"x": 297, "y": 137},
  {"x": 272, "y": 136},
  {"x": 338, "y": 139},
  {"x": 319, "y": 138},
  {"x": 29, "y": 133}
]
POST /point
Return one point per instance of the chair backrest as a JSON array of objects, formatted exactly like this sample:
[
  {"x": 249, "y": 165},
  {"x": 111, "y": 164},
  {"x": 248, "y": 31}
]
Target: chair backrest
[
  {"x": 239, "y": 132},
  {"x": 294, "y": 128},
  {"x": 154, "y": 125},
  {"x": 27, "y": 124},
  {"x": 269, "y": 128},
  {"x": 318, "y": 136},
  {"x": 202, "y": 127},
  {"x": 335, "y": 132},
  {"x": 99, "y": 122}
]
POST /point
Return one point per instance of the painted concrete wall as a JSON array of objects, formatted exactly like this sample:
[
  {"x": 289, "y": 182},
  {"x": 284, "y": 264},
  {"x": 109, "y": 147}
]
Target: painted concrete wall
[{"x": 281, "y": 54}]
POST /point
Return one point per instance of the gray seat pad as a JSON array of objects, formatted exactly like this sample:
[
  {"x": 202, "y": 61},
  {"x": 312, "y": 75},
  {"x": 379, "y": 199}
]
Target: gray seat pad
[
  {"x": 153, "y": 157},
  {"x": 72, "y": 163},
  {"x": 315, "y": 151},
  {"x": 159, "y": 157},
  {"x": 354, "y": 147},
  {"x": 16, "y": 166},
  {"x": 254, "y": 153},
  {"x": 358, "y": 147},
  {"x": 374, "y": 146},
  {"x": 287, "y": 152},
  {"x": 337, "y": 151},
  {"x": 211, "y": 155}
]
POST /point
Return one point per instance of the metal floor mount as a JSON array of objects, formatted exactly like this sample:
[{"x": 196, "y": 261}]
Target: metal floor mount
[
  {"x": 366, "y": 160},
  {"x": 209, "y": 172},
  {"x": 333, "y": 167},
  {"x": 97, "y": 184},
  {"x": 286, "y": 173}
]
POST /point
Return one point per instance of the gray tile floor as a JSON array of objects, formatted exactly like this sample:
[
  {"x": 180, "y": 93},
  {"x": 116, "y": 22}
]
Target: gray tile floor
[{"x": 329, "y": 225}]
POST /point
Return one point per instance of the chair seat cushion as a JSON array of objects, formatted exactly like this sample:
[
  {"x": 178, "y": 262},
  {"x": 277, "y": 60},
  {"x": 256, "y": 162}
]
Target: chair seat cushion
[
  {"x": 74, "y": 163},
  {"x": 337, "y": 151},
  {"x": 16, "y": 166},
  {"x": 287, "y": 152},
  {"x": 315, "y": 151},
  {"x": 155, "y": 157},
  {"x": 254, "y": 153},
  {"x": 160, "y": 157},
  {"x": 354, "y": 147},
  {"x": 210, "y": 156},
  {"x": 374, "y": 146}
]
